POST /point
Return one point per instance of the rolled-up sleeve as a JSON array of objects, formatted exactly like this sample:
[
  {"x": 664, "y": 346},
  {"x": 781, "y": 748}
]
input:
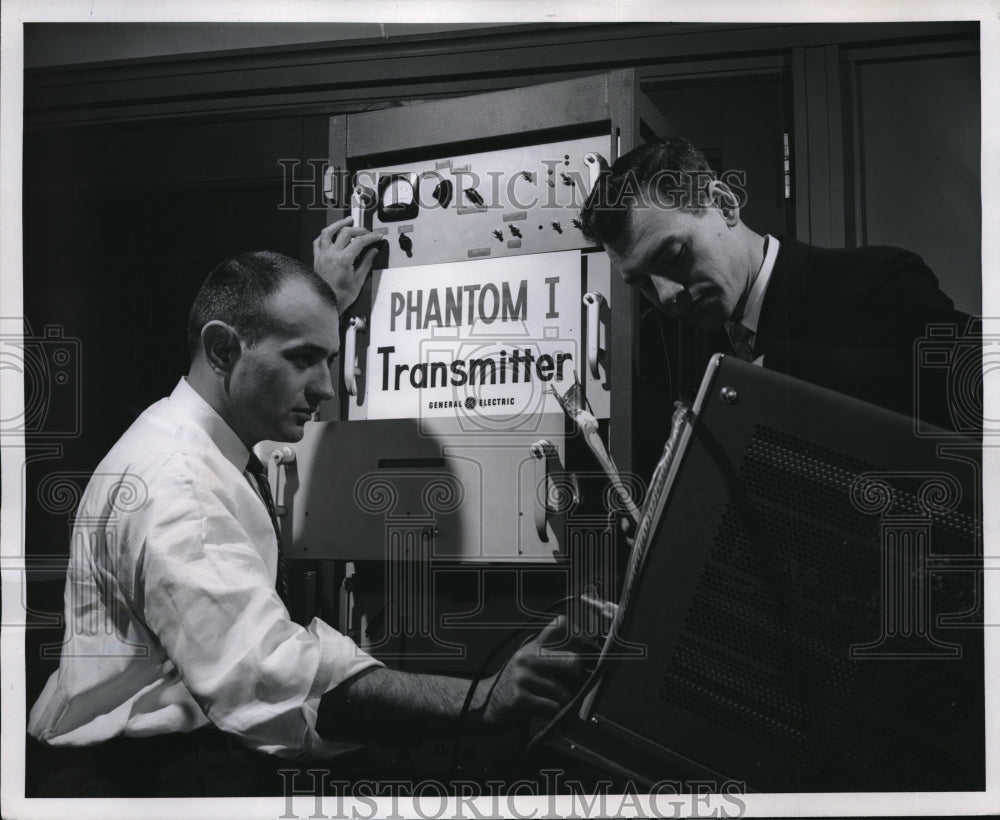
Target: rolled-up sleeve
[{"x": 206, "y": 590}]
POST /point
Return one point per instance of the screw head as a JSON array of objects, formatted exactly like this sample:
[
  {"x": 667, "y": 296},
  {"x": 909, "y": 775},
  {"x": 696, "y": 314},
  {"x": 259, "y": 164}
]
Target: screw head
[{"x": 729, "y": 395}]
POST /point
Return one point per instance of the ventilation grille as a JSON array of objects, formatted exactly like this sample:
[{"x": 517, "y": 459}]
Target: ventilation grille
[{"x": 793, "y": 580}]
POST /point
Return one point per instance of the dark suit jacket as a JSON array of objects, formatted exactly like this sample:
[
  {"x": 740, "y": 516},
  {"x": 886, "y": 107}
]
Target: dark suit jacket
[{"x": 850, "y": 320}]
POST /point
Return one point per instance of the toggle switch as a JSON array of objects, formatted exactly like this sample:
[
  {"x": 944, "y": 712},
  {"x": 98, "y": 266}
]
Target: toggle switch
[
  {"x": 515, "y": 231},
  {"x": 557, "y": 227},
  {"x": 406, "y": 244},
  {"x": 362, "y": 201},
  {"x": 442, "y": 193},
  {"x": 498, "y": 233},
  {"x": 596, "y": 165}
]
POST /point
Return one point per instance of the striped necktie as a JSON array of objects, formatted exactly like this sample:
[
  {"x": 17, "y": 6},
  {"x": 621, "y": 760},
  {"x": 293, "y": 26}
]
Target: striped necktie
[
  {"x": 740, "y": 336},
  {"x": 256, "y": 469}
]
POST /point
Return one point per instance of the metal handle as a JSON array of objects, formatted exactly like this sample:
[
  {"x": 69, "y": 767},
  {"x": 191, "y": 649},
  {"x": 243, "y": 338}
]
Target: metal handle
[
  {"x": 280, "y": 457},
  {"x": 595, "y": 164},
  {"x": 351, "y": 369},
  {"x": 593, "y": 300},
  {"x": 542, "y": 451},
  {"x": 361, "y": 200},
  {"x": 328, "y": 183}
]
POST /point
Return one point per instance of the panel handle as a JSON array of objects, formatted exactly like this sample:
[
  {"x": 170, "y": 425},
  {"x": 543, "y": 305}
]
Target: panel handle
[
  {"x": 362, "y": 200},
  {"x": 544, "y": 452},
  {"x": 279, "y": 460},
  {"x": 351, "y": 368},
  {"x": 593, "y": 300}
]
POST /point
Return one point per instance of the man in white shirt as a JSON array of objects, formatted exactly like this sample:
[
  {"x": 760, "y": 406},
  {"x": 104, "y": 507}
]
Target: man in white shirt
[{"x": 175, "y": 631}]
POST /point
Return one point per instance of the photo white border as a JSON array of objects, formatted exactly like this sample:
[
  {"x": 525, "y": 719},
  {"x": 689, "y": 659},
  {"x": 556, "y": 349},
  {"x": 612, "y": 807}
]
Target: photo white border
[{"x": 17, "y": 12}]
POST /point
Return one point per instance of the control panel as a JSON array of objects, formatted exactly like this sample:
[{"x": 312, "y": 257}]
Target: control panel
[
  {"x": 487, "y": 313},
  {"x": 511, "y": 202}
]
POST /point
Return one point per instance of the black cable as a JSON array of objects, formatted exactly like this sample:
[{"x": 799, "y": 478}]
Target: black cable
[
  {"x": 473, "y": 684},
  {"x": 681, "y": 417},
  {"x": 573, "y": 703},
  {"x": 480, "y": 673}
]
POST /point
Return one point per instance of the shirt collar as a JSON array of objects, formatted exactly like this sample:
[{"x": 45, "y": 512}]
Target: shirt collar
[
  {"x": 755, "y": 299},
  {"x": 194, "y": 407}
]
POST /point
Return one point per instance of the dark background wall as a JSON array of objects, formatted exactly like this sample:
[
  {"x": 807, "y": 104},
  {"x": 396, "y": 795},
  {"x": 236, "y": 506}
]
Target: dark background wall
[
  {"x": 62, "y": 44},
  {"x": 143, "y": 170}
]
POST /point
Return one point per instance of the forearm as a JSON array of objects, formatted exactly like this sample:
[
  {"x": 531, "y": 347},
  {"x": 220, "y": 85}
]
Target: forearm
[
  {"x": 535, "y": 682},
  {"x": 384, "y": 700}
]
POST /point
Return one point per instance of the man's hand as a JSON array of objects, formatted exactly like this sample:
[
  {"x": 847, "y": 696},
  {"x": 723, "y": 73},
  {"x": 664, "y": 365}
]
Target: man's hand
[
  {"x": 536, "y": 682},
  {"x": 343, "y": 256}
]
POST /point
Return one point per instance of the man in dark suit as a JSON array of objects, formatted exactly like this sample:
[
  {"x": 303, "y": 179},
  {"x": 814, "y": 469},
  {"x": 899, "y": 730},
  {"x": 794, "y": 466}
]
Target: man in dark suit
[{"x": 844, "y": 319}]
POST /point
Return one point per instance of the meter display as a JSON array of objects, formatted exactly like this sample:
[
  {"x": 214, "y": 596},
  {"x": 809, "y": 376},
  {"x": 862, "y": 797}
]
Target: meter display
[{"x": 397, "y": 200}]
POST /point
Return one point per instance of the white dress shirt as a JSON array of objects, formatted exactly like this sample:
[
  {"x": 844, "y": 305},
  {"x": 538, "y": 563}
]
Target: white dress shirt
[
  {"x": 758, "y": 290},
  {"x": 172, "y": 619}
]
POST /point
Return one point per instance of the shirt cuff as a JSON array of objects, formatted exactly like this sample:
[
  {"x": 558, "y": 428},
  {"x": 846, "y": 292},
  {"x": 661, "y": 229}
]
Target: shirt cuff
[{"x": 340, "y": 658}]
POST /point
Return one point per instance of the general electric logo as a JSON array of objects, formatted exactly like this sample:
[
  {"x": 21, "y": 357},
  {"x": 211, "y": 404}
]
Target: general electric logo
[{"x": 470, "y": 403}]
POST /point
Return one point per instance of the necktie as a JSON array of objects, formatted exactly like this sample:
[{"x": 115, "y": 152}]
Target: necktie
[
  {"x": 740, "y": 337},
  {"x": 256, "y": 469}
]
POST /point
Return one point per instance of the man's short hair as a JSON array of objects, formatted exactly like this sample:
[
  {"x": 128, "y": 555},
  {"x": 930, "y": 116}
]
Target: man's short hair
[
  {"x": 671, "y": 171},
  {"x": 237, "y": 290}
]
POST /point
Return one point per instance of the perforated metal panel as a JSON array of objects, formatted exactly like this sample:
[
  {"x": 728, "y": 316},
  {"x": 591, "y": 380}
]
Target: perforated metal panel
[
  {"x": 792, "y": 581},
  {"x": 809, "y": 605}
]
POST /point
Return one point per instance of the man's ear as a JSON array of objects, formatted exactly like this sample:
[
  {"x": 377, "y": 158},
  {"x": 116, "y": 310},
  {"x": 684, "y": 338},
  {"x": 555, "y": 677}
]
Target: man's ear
[
  {"x": 726, "y": 201},
  {"x": 221, "y": 346}
]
